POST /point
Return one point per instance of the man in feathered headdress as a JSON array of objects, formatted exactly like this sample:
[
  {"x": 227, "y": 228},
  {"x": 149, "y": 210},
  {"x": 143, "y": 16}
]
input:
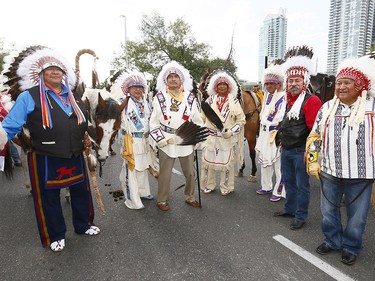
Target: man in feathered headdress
[
  {"x": 57, "y": 123},
  {"x": 218, "y": 150},
  {"x": 173, "y": 106},
  {"x": 343, "y": 133},
  {"x": 300, "y": 112},
  {"x": 135, "y": 132},
  {"x": 273, "y": 109}
]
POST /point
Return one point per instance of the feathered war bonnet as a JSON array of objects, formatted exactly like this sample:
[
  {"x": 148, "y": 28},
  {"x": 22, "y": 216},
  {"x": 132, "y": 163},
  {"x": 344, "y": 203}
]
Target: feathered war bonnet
[
  {"x": 222, "y": 76},
  {"x": 174, "y": 67},
  {"x": 25, "y": 71},
  {"x": 274, "y": 73},
  {"x": 126, "y": 80},
  {"x": 299, "y": 63},
  {"x": 361, "y": 70}
]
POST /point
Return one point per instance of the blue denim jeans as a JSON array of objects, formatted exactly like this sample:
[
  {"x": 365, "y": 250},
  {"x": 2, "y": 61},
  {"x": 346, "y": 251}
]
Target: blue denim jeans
[
  {"x": 350, "y": 238},
  {"x": 296, "y": 181}
]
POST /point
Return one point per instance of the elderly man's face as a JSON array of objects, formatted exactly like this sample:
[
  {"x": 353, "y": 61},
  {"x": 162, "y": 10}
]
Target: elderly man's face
[
  {"x": 52, "y": 76},
  {"x": 174, "y": 81},
  {"x": 345, "y": 91},
  {"x": 294, "y": 85},
  {"x": 271, "y": 87}
]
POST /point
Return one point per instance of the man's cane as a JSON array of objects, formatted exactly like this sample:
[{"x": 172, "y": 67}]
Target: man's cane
[{"x": 199, "y": 184}]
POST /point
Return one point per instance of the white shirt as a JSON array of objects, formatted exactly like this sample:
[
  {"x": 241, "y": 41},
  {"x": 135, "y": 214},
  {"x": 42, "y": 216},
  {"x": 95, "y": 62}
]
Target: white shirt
[{"x": 346, "y": 154}]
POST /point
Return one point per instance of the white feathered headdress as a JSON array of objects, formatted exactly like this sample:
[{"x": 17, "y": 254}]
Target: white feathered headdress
[
  {"x": 298, "y": 62},
  {"x": 220, "y": 76},
  {"x": 274, "y": 73},
  {"x": 126, "y": 80},
  {"x": 174, "y": 67},
  {"x": 24, "y": 71},
  {"x": 23, "y": 68}
]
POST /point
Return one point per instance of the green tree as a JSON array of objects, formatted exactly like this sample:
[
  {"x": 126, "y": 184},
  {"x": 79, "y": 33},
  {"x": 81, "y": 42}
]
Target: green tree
[
  {"x": 3, "y": 53},
  {"x": 161, "y": 42}
]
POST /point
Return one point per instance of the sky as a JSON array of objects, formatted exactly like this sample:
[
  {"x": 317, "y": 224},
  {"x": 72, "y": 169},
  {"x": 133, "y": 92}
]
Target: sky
[{"x": 69, "y": 26}]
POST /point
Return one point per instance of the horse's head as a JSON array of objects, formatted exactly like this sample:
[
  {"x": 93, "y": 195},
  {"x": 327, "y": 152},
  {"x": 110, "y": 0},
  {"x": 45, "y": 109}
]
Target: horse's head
[
  {"x": 105, "y": 122},
  {"x": 323, "y": 86}
]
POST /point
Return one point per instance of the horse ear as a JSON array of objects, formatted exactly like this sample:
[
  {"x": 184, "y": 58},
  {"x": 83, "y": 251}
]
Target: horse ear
[
  {"x": 101, "y": 102},
  {"x": 86, "y": 103}
]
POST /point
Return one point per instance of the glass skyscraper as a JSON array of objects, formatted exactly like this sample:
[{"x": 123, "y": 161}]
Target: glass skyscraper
[
  {"x": 350, "y": 30},
  {"x": 272, "y": 40}
]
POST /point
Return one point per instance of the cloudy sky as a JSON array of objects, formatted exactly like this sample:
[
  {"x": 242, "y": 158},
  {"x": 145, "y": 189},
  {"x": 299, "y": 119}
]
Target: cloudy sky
[{"x": 69, "y": 26}]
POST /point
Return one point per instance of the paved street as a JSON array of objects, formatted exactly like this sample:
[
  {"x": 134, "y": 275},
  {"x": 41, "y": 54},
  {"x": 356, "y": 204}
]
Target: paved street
[{"x": 229, "y": 238}]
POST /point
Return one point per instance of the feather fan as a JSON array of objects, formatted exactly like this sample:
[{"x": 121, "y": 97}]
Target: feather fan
[
  {"x": 191, "y": 133},
  {"x": 212, "y": 116}
]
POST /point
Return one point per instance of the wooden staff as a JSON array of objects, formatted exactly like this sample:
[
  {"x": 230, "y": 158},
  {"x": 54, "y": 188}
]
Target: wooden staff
[
  {"x": 373, "y": 197},
  {"x": 91, "y": 164}
]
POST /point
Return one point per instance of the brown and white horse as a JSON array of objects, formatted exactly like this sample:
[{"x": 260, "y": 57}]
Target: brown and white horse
[{"x": 104, "y": 121}]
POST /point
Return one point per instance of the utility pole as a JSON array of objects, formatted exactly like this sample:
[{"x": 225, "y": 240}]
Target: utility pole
[{"x": 125, "y": 44}]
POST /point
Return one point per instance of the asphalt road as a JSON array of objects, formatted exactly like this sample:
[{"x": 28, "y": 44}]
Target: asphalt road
[{"x": 230, "y": 238}]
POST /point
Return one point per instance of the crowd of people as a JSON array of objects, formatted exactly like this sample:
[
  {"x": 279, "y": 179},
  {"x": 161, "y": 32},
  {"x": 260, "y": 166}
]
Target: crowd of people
[{"x": 298, "y": 137}]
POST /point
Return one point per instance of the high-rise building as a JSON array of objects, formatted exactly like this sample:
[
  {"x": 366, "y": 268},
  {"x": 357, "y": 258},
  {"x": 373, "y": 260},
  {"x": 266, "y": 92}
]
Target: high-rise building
[
  {"x": 350, "y": 30},
  {"x": 272, "y": 40}
]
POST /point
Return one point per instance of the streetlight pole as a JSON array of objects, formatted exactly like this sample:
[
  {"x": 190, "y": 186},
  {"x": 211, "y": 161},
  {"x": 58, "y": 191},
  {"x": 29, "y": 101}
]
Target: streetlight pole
[{"x": 125, "y": 45}]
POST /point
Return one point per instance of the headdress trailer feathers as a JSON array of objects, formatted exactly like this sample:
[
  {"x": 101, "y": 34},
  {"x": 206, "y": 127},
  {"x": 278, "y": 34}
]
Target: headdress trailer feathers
[
  {"x": 298, "y": 62},
  {"x": 174, "y": 67},
  {"x": 362, "y": 71}
]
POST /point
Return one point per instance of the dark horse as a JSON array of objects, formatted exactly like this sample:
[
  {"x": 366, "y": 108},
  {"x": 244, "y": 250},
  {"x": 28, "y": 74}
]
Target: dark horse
[{"x": 323, "y": 86}]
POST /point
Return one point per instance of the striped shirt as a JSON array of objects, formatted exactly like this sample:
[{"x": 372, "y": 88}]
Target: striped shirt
[{"x": 346, "y": 153}]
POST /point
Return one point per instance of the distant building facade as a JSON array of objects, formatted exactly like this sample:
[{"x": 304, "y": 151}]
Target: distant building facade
[
  {"x": 272, "y": 40},
  {"x": 351, "y": 31}
]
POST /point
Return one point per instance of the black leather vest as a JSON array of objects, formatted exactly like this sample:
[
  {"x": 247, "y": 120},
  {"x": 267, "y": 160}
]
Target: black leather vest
[
  {"x": 65, "y": 138},
  {"x": 293, "y": 132}
]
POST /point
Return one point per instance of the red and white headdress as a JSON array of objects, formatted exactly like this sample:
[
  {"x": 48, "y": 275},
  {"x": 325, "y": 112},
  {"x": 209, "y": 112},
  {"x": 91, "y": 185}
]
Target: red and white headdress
[
  {"x": 361, "y": 70},
  {"x": 299, "y": 63}
]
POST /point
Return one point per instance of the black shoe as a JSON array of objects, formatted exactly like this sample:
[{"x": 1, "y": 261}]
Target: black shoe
[
  {"x": 348, "y": 258},
  {"x": 282, "y": 214},
  {"x": 324, "y": 249},
  {"x": 296, "y": 225}
]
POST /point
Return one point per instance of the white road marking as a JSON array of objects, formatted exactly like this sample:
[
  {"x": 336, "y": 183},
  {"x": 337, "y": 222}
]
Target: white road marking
[{"x": 325, "y": 267}]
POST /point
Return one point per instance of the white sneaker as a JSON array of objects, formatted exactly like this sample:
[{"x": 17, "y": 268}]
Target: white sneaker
[
  {"x": 58, "y": 245},
  {"x": 93, "y": 230}
]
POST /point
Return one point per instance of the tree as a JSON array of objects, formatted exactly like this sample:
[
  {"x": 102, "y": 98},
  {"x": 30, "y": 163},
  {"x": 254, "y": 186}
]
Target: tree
[
  {"x": 3, "y": 53},
  {"x": 162, "y": 43}
]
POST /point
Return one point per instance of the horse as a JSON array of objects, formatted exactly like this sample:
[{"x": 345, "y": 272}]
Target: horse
[
  {"x": 323, "y": 86},
  {"x": 104, "y": 120},
  {"x": 251, "y": 107}
]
